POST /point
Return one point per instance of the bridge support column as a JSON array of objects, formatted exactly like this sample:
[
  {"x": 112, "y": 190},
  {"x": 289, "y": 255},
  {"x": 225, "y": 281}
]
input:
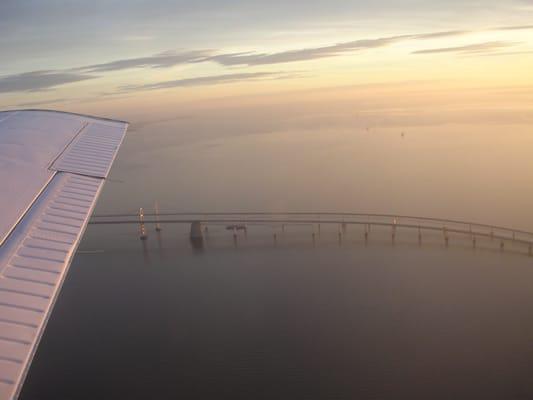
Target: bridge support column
[
  {"x": 235, "y": 237},
  {"x": 142, "y": 229},
  {"x": 197, "y": 235},
  {"x": 157, "y": 224}
]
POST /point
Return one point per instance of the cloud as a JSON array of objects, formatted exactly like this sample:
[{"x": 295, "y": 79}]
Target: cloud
[
  {"x": 313, "y": 53},
  {"x": 43, "y": 102},
  {"x": 468, "y": 49},
  {"x": 437, "y": 35},
  {"x": 506, "y": 53},
  {"x": 206, "y": 80},
  {"x": 172, "y": 58},
  {"x": 514, "y": 28},
  {"x": 48, "y": 79},
  {"x": 39, "y": 80},
  {"x": 71, "y": 30},
  {"x": 161, "y": 60}
]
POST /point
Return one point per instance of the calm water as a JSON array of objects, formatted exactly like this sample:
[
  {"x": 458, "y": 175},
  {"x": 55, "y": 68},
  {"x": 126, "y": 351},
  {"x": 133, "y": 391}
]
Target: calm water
[{"x": 291, "y": 320}]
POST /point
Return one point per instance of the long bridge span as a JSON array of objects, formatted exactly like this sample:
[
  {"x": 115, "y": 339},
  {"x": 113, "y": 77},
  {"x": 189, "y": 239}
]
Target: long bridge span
[{"x": 241, "y": 220}]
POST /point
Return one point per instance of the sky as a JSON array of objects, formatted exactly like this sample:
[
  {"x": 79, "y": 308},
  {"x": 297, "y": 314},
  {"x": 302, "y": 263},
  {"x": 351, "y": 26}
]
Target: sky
[{"x": 121, "y": 57}]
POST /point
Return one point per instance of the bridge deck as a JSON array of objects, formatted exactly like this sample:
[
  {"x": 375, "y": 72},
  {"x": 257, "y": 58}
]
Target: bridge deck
[{"x": 392, "y": 221}]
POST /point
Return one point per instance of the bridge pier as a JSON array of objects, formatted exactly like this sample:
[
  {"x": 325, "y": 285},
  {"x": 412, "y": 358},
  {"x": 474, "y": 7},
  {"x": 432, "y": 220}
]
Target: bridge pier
[
  {"x": 142, "y": 229},
  {"x": 196, "y": 230},
  {"x": 157, "y": 224},
  {"x": 197, "y": 235}
]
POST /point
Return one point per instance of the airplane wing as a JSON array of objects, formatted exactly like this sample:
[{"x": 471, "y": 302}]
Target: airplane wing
[{"x": 52, "y": 168}]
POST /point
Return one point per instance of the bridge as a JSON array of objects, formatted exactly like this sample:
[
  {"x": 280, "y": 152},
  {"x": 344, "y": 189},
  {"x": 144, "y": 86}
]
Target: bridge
[{"x": 242, "y": 220}]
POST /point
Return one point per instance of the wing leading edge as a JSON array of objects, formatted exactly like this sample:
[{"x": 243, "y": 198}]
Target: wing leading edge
[{"x": 54, "y": 166}]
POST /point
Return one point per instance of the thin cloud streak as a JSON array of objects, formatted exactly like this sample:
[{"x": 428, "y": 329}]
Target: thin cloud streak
[
  {"x": 478, "y": 48},
  {"x": 36, "y": 81},
  {"x": 313, "y": 53},
  {"x": 43, "y": 102},
  {"x": 251, "y": 59},
  {"x": 437, "y": 35},
  {"x": 206, "y": 80},
  {"x": 170, "y": 59},
  {"x": 506, "y": 53},
  {"x": 161, "y": 60},
  {"x": 514, "y": 28}
]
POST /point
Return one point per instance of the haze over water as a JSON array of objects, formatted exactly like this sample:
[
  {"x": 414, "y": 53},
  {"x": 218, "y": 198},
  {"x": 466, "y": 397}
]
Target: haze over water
[
  {"x": 295, "y": 157},
  {"x": 297, "y": 320}
]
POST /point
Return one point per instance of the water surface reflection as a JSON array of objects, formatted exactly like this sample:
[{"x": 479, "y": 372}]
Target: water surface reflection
[{"x": 287, "y": 319}]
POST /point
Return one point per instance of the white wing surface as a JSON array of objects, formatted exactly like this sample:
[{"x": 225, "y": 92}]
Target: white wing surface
[{"x": 52, "y": 168}]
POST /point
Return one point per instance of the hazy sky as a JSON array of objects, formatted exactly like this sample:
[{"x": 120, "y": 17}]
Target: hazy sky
[{"x": 59, "y": 54}]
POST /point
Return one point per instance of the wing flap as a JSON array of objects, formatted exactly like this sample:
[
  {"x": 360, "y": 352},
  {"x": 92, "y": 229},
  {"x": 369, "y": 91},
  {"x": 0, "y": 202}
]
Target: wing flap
[{"x": 92, "y": 152}]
